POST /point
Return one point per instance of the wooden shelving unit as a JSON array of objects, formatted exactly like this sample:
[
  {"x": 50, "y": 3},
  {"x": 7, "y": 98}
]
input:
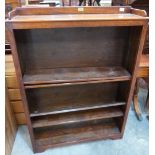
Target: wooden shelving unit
[{"x": 77, "y": 69}]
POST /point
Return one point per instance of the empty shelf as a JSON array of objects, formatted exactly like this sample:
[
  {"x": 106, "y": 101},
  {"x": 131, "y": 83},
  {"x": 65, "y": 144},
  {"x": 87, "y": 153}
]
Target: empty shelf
[
  {"x": 76, "y": 133},
  {"x": 61, "y": 108},
  {"x": 74, "y": 75},
  {"x": 76, "y": 117}
]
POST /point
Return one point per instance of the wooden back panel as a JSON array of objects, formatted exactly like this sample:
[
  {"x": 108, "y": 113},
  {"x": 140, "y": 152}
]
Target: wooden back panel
[
  {"x": 68, "y": 97},
  {"x": 71, "y": 47},
  {"x": 109, "y": 45}
]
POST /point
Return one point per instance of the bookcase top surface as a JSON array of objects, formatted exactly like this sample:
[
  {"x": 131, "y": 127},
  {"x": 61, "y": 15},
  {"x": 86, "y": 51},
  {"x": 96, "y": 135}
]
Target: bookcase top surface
[
  {"x": 76, "y": 71},
  {"x": 42, "y": 17},
  {"x": 76, "y": 17}
]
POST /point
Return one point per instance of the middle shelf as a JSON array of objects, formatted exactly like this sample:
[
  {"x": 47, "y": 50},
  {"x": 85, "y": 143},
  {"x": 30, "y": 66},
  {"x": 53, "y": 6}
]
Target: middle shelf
[
  {"x": 60, "y": 76},
  {"x": 57, "y": 100},
  {"x": 70, "y": 107},
  {"x": 76, "y": 117}
]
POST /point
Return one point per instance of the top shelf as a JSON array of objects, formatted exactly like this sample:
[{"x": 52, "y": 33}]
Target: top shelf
[
  {"x": 55, "y": 16},
  {"x": 70, "y": 76}
]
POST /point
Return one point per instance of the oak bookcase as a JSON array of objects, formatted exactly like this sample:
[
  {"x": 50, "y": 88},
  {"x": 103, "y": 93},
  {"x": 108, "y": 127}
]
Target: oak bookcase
[{"x": 76, "y": 68}]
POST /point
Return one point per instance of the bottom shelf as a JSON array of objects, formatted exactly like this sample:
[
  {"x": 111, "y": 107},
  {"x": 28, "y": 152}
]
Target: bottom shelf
[{"x": 81, "y": 132}]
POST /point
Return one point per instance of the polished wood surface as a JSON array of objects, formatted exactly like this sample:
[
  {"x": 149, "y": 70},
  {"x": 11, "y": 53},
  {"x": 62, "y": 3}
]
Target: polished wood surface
[
  {"x": 101, "y": 130},
  {"x": 74, "y": 75},
  {"x": 10, "y": 125},
  {"x": 70, "y": 10},
  {"x": 9, "y": 67},
  {"x": 88, "y": 16},
  {"x": 13, "y": 90},
  {"x": 143, "y": 72},
  {"x": 73, "y": 98},
  {"x": 75, "y": 17},
  {"x": 75, "y": 117},
  {"x": 14, "y": 94},
  {"x": 20, "y": 117},
  {"x": 144, "y": 61},
  {"x": 73, "y": 50},
  {"x": 17, "y": 107},
  {"x": 10, "y": 75},
  {"x": 144, "y": 66}
]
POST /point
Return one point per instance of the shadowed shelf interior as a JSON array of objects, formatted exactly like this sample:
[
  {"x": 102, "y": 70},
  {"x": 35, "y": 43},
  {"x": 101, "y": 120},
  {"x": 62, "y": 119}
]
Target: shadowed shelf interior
[{"x": 76, "y": 70}]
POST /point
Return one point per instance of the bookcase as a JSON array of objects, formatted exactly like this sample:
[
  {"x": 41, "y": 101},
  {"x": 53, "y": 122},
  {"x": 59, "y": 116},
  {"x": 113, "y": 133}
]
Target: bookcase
[{"x": 76, "y": 67}]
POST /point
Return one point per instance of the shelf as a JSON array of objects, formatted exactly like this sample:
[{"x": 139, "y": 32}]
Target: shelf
[
  {"x": 57, "y": 100},
  {"x": 76, "y": 117},
  {"x": 75, "y": 75},
  {"x": 60, "y": 108},
  {"x": 77, "y": 133},
  {"x": 77, "y": 68}
]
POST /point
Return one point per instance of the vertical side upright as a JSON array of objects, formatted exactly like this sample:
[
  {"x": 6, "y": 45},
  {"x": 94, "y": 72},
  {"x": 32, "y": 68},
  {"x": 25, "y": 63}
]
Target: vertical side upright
[
  {"x": 134, "y": 72},
  {"x": 19, "y": 77}
]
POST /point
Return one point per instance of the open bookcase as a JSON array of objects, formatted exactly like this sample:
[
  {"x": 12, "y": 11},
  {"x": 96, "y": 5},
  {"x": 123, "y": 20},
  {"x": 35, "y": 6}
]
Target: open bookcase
[{"x": 77, "y": 69}]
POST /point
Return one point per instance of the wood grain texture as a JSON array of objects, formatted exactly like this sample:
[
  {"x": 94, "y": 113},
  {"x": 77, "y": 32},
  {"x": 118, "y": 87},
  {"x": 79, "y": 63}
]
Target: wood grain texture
[
  {"x": 74, "y": 75},
  {"x": 17, "y": 106},
  {"x": 78, "y": 108},
  {"x": 10, "y": 125},
  {"x": 144, "y": 60},
  {"x": 71, "y": 24},
  {"x": 19, "y": 76},
  {"x": 135, "y": 70},
  {"x": 76, "y": 117},
  {"x": 9, "y": 65},
  {"x": 10, "y": 69},
  {"x": 8, "y": 58},
  {"x": 67, "y": 10},
  {"x": 21, "y": 118},
  {"x": 72, "y": 98},
  {"x": 143, "y": 70},
  {"x": 14, "y": 94},
  {"x": 13, "y": 90},
  {"x": 68, "y": 51},
  {"x": 60, "y": 19},
  {"x": 72, "y": 135},
  {"x": 12, "y": 82},
  {"x": 73, "y": 17},
  {"x": 105, "y": 37},
  {"x": 71, "y": 10}
]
